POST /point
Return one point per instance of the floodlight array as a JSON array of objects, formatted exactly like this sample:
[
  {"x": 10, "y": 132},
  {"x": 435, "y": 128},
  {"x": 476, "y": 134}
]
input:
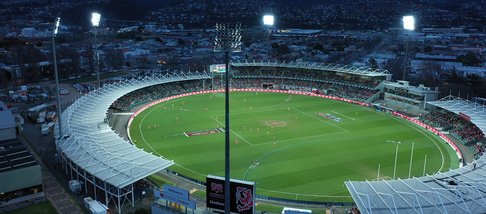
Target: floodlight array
[
  {"x": 56, "y": 27},
  {"x": 95, "y": 19},
  {"x": 228, "y": 37},
  {"x": 408, "y": 23},
  {"x": 268, "y": 20}
]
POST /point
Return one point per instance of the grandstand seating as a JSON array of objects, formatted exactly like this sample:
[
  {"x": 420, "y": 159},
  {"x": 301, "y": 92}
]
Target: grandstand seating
[
  {"x": 463, "y": 129},
  {"x": 95, "y": 153},
  {"x": 461, "y": 190},
  {"x": 350, "y": 83},
  {"x": 155, "y": 92}
]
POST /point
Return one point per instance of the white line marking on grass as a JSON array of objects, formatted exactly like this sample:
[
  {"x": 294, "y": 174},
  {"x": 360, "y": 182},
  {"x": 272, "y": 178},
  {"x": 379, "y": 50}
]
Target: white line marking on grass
[
  {"x": 233, "y": 131},
  {"x": 335, "y": 112},
  {"x": 190, "y": 170},
  {"x": 262, "y": 157},
  {"x": 320, "y": 119},
  {"x": 155, "y": 151},
  {"x": 143, "y": 137}
]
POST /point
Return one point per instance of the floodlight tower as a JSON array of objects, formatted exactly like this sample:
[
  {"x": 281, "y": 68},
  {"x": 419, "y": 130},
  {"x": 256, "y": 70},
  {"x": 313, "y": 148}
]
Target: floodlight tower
[
  {"x": 95, "y": 22},
  {"x": 408, "y": 25},
  {"x": 227, "y": 40},
  {"x": 57, "y": 21},
  {"x": 268, "y": 22}
]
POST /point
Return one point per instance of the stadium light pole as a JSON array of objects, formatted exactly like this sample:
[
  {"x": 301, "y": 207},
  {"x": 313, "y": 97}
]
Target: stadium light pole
[
  {"x": 95, "y": 22},
  {"x": 227, "y": 40},
  {"x": 57, "y": 21},
  {"x": 268, "y": 22},
  {"x": 408, "y": 25}
]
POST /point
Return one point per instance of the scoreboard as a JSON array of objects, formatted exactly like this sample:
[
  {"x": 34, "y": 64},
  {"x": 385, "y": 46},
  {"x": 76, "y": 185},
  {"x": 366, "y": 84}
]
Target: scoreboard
[{"x": 217, "y": 68}]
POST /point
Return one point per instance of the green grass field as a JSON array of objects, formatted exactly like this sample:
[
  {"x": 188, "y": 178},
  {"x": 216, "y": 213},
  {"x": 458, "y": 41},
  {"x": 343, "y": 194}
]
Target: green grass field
[{"x": 280, "y": 142}]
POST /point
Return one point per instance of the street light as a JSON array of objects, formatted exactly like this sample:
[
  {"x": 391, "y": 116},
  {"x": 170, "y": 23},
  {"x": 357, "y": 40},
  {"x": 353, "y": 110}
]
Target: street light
[
  {"x": 57, "y": 21},
  {"x": 227, "y": 40},
  {"x": 408, "y": 24},
  {"x": 95, "y": 22}
]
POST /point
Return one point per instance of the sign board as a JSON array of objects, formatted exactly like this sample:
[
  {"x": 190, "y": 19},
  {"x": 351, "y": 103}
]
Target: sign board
[
  {"x": 242, "y": 194},
  {"x": 176, "y": 192},
  {"x": 217, "y": 68},
  {"x": 173, "y": 197}
]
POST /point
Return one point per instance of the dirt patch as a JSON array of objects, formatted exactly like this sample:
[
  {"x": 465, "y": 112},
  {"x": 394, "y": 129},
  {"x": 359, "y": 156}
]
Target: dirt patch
[{"x": 275, "y": 123}]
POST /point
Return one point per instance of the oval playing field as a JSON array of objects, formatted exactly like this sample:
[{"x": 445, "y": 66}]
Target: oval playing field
[{"x": 292, "y": 146}]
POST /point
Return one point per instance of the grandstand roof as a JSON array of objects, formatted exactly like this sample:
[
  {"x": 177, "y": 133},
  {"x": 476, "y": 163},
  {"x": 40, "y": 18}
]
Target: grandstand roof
[
  {"x": 92, "y": 145},
  {"x": 461, "y": 190},
  {"x": 475, "y": 111},
  {"x": 457, "y": 191},
  {"x": 319, "y": 66}
]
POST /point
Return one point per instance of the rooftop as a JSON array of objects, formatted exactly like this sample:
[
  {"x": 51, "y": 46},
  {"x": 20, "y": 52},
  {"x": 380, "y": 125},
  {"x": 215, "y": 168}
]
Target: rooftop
[
  {"x": 7, "y": 118},
  {"x": 14, "y": 155}
]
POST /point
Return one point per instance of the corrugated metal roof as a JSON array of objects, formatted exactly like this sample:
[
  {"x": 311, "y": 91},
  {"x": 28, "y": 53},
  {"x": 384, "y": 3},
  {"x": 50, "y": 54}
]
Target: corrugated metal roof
[{"x": 92, "y": 145}]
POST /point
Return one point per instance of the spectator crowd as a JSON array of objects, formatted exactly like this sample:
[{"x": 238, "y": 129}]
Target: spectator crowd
[{"x": 458, "y": 126}]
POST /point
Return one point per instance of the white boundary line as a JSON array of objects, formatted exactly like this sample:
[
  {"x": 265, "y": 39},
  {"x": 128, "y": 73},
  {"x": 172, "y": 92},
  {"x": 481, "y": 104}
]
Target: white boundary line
[{"x": 155, "y": 151}]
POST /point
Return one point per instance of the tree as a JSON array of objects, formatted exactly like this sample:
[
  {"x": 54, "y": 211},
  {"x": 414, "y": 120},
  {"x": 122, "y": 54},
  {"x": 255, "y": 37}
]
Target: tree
[
  {"x": 454, "y": 76},
  {"x": 372, "y": 63},
  {"x": 280, "y": 49},
  {"x": 68, "y": 60},
  {"x": 431, "y": 74},
  {"x": 90, "y": 56},
  {"x": 114, "y": 58},
  {"x": 318, "y": 47},
  {"x": 4, "y": 78},
  {"x": 473, "y": 80},
  {"x": 395, "y": 66},
  {"x": 470, "y": 59}
]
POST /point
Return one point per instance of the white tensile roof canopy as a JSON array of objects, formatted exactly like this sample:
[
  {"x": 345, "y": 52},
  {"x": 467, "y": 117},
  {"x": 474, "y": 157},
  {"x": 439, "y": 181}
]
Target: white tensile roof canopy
[
  {"x": 461, "y": 190},
  {"x": 92, "y": 145},
  {"x": 475, "y": 111}
]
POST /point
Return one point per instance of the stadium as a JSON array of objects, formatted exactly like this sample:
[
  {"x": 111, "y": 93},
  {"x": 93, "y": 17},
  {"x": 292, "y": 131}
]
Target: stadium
[{"x": 307, "y": 134}]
